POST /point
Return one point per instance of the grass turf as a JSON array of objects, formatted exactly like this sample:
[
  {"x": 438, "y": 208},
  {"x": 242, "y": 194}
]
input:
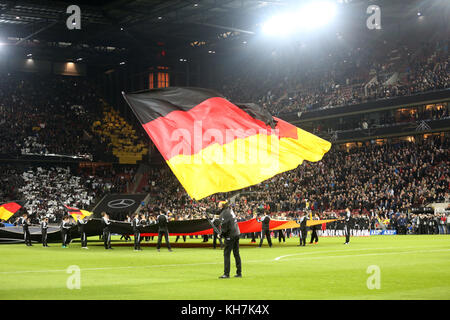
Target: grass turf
[{"x": 411, "y": 267}]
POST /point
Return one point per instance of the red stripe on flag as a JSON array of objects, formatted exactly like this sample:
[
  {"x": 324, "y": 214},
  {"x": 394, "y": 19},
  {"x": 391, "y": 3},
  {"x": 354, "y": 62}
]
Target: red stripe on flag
[
  {"x": 215, "y": 120},
  {"x": 11, "y": 206}
]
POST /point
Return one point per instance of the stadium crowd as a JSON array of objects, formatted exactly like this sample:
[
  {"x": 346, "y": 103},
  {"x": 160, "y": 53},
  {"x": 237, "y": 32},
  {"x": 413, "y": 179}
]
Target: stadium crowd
[
  {"x": 386, "y": 119},
  {"x": 380, "y": 183},
  {"x": 46, "y": 115},
  {"x": 343, "y": 78},
  {"x": 44, "y": 189}
]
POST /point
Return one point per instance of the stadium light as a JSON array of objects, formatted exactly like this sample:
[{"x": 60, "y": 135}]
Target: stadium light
[{"x": 312, "y": 15}]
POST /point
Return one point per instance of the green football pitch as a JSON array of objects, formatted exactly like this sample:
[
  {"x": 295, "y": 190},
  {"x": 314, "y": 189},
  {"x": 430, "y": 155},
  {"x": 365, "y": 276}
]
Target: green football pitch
[{"x": 404, "y": 267}]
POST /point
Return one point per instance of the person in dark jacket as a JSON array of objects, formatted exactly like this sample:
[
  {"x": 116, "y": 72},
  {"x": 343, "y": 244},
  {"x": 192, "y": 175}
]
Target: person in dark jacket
[
  {"x": 26, "y": 232},
  {"x": 314, "y": 236},
  {"x": 281, "y": 235},
  {"x": 81, "y": 228},
  {"x": 229, "y": 230},
  {"x": 106, "y": 231},
  {"x": 163, "y": 230},
  {"x": 347, "y": 219},
  {"x": 65, "y": 231},
  {"x": 265, "y": 232},
  {"x": 44, "y": 227},
  {"x": 303, "y": 232},
  {"x": 137, "y": 233}
]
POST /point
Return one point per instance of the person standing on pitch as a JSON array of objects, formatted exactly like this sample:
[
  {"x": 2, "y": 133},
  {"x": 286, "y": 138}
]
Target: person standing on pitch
[
  {"x": 44, "y": 227},
  {"x": 314, "y": 229},
  {"x": 81, "y": 224},
  {"x": 106, "y": 231},
  {"x": 303, "y": 232},
  {"x": 265, "y": 229},
  {"x": 163, "y": 222},
  {"x": 151, "y": 220},
  {"x": 347, "y": 219},
  {"x": 281, "y": 236},
  {"x": 26, "y": 232},
  {"x": 65, "y": 229},
  {"x": 229, "y": 230},
  {"x": 137, "y": 233}
]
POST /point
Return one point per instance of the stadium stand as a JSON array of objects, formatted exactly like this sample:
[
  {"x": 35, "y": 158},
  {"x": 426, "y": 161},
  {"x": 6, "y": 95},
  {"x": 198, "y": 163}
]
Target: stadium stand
[
  {"x": 44, "y": 188},
  {"x": 344, "y": 78},
  {"x": 379, "y": 180},
  {"x": 376, "y": 180},
  {"x": 39, "y": 118},
  {"x": 120, "y": 135}
]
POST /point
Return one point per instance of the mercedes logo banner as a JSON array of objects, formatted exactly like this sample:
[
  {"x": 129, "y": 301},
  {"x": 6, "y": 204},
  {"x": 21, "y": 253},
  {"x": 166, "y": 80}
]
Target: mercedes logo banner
[{"x": 119, "y": 203}]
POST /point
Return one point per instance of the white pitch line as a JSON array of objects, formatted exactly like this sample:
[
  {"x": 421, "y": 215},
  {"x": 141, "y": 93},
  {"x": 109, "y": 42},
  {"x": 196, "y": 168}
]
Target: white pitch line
[
  {"x": 368, "y": 254},
  {"x": 344, "y": 250}
]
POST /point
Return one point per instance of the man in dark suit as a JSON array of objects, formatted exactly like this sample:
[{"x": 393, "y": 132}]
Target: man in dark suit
[
  {"x": 314, "y": 236},
  {"x": 44, "y": 227},
  {"x": 26, "y": 232},
  {"x": 81, "y": 228},
  {"x": 65, "y": 231},
  {"x": 265, "y": 222},
  {"x": 347, "y": 226},
  {"x": 281, "y": 236},
  {"x": 303, "y": 232},
  {"x": 229, "y": 230},
  {"x": 106, "y": 231},
  {"x": 137, "y": 233},
  {"x": 163, "y": 230}
]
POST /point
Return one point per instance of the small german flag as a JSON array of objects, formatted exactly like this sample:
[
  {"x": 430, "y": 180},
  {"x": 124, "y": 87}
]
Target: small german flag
[
  {"x": 212, "y": 145},
  {"x": 77, "y": 213},
  {"x": 7, "y": 210}
]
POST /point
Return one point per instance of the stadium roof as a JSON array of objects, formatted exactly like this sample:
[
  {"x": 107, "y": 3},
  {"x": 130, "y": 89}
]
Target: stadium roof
[{"x": 144, "y": 26}]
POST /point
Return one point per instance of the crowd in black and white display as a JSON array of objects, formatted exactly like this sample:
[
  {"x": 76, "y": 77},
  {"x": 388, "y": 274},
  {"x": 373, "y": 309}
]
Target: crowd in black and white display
[
  {"x": 44, "y": 190},
  {"x": 48, "y": 115}
]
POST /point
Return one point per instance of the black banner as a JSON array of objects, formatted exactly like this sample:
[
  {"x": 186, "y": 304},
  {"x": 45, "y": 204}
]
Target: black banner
[
  {"x": 94, "y": 227},
  {"x": 118, "y": 205}
]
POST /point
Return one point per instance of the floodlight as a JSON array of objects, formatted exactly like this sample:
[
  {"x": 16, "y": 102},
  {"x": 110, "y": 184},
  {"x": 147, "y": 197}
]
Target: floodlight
[{"x": 310, "y": 16}]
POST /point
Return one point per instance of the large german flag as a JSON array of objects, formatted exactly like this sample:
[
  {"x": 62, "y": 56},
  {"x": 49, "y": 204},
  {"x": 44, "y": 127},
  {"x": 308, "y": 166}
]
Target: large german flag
[
  {"x": 212, "y": 145},
  {"x": 7, "y": 210}
]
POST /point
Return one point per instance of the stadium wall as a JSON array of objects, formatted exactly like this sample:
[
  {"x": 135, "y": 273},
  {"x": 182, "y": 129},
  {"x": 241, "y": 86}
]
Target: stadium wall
[{"x": 42, "y": 66}]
